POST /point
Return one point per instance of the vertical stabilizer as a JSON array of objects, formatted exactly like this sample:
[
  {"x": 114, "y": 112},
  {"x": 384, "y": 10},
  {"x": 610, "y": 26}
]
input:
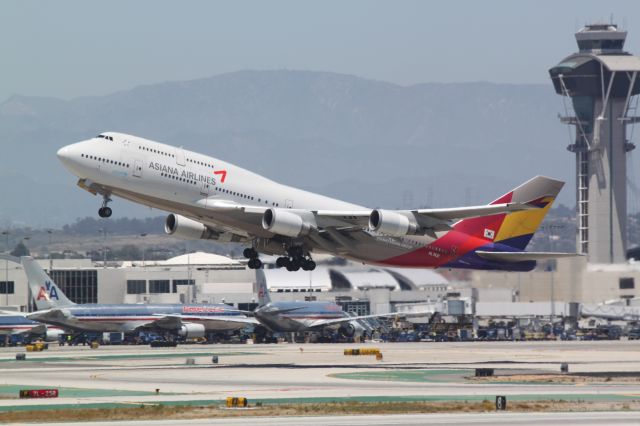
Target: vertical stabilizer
[
  {"x": 263, "y": 291},
  {"x": 46, "y": 293},
  {"x": 515, "y": 229}
]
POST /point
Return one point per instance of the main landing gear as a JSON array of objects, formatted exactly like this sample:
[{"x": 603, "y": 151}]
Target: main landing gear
[
  {"x": 296, "y": 260},
  {"x": 251, "y": 254},
  {"x": 105, "y": 211}
]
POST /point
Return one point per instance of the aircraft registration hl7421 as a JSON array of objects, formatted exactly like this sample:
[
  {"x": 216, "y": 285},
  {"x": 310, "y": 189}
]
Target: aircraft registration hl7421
[{"x": 211, "y": 199}]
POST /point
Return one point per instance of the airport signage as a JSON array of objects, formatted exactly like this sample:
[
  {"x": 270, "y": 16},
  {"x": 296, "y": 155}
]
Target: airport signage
[{"x": 38, "y": 393}]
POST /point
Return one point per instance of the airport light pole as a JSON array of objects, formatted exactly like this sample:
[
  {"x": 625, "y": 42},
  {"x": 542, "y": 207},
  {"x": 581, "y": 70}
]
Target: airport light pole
[
  {"x": 552, "y": 267},
  {"x": 104, "y": 247},
  {"x": 6, "y": 272},
  {"x": 144, "y": 250},
  {"x": 50, "y": 232}
]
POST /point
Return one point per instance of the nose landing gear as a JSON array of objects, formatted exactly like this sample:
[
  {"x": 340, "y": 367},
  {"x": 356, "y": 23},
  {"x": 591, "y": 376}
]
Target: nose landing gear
[
  {"x": 297, "y": 259},
  {"x": 105, "y": 211},
  {"x": 251, "y": 254}
]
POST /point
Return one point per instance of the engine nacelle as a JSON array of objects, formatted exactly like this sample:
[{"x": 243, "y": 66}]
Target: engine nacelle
[
  {"x": 53, "y": 334},
  {"x": 189, "y": 229},
  {"x": 393, "y": 223},
  {"x": 191, "y": 331},
  {"x": 284, "y": 222},
  {"x": 347, "y": 330}
]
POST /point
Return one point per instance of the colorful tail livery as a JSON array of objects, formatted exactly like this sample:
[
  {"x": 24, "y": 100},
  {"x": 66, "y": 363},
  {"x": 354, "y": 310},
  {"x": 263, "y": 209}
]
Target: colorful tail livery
[
  {"x": 46, "y": 293},
  {"x": 498, "y": 241},
  {"x": 495, "y": 242}
]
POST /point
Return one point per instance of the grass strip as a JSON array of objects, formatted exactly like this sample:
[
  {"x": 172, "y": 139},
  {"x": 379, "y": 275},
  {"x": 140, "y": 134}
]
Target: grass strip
[{"x": 213, "y": 410}]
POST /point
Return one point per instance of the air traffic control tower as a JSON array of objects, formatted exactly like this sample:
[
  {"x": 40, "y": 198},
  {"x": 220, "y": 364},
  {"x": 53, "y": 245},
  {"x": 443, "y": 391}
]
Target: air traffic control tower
[{"x": 601, "y": 80}]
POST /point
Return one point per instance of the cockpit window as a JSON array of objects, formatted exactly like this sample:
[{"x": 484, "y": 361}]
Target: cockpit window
[{"x": 109, "y": 138}]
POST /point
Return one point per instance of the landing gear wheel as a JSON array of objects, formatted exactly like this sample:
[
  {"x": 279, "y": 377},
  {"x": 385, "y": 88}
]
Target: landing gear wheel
[
  {"x": 308, "y": 265},
  {"x": 282, "y": 262},
  {"x": 250, "y": 253},
  {"x": 293, "y": 265},
  {"x": 104, "y": 212},
  {"x": 255, "y": 263}
]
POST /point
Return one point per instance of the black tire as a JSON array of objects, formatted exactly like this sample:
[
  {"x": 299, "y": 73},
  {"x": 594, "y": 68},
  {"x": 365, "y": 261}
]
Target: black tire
[
  {"x": 252, "y": 263},
  {"x": 249, "y": 253},
  {"x": 294, "y": 266},
  {"x": 282, "y": 262},
  {"x": 106, "y": 211},
  {"x": 309, "y": 265},
  {"x": 257, "y": 263}
]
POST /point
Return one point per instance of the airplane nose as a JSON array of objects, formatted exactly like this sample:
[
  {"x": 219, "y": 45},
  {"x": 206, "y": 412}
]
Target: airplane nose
[
  {"x": 63, "y": 153},
  {"x": 69, "y": 156}
]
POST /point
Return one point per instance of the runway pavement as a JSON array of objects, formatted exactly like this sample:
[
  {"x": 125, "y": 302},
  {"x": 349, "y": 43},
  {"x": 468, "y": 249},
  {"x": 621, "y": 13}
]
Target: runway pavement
[{"x": 115, "y": 376}]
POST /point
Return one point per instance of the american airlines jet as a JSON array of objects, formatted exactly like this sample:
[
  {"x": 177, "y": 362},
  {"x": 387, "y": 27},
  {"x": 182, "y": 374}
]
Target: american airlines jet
[
  {"x": 184, "y": 320},
  {"x": 309, "y": 316},
  {"x": 13, "y": 323},
  {"x": 211, "y": 199}
]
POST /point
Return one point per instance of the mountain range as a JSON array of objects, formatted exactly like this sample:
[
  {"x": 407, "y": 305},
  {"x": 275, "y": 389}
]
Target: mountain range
[{"x": 365, "y": 141}]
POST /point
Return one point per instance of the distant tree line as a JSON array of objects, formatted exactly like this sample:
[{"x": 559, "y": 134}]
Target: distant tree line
[{"x": 120, "y": 226}]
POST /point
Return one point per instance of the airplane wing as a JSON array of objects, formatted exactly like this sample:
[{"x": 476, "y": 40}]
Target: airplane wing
[
  {"x": 172, "y": 322},
  {"x": 429, "y": 220},
  {"x": 325, "y": 323},
  {"x": 330, "y": 230},
  {"x": 36, "y": 329},
  {"x": 508, "y": 256}
]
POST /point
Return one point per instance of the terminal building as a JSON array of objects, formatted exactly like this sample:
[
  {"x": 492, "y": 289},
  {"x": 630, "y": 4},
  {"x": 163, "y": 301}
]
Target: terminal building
[{"x": 209, "y": 278}]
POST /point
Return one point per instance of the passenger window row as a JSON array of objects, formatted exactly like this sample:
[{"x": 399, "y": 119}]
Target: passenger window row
[
  {"x": 245, "y": 196},
  {"x": 155, "y": 151},
  {"x": 201, "y": 163},
  {"x": 104, "y": 160},
  {"x": 179, "y": 179}
]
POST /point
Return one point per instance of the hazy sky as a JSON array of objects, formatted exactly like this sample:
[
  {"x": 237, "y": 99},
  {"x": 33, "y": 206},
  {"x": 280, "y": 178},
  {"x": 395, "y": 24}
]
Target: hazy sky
[{"x": 76, "y": 48}]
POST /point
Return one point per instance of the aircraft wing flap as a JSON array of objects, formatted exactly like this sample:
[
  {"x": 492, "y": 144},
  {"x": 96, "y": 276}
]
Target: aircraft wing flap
[{"x": 522, "y": 256}]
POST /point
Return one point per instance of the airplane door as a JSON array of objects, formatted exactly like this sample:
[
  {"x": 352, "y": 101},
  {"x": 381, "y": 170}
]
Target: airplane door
[
  {"x": 204, "y": 189},
  {"x": 288, "y": 204},
  {"x": 180, "y": 157},
  {"x": 137, "y": 168}
]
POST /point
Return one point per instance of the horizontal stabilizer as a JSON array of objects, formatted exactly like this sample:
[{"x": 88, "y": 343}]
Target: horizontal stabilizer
[{"x": 522, "y": 256}]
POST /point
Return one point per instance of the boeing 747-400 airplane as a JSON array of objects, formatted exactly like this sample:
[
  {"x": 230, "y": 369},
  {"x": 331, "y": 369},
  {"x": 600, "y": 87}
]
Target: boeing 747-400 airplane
[{"x": 211, "y": 199}]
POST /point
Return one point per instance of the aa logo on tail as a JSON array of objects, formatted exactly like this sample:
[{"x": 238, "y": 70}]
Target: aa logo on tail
[{"x": 47, "y": 292}]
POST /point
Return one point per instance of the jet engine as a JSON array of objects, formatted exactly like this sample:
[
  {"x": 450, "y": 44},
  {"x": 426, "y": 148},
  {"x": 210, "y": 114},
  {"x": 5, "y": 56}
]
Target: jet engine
[
  {"x": 183, "y": 227},
  {"x": 52, "y": 335},
  {"x": 393, "y": 223},
  {"x": 347, "y": 330},
  {"x": 283, "y": 222},
  {"x": 191, "y": 331}
]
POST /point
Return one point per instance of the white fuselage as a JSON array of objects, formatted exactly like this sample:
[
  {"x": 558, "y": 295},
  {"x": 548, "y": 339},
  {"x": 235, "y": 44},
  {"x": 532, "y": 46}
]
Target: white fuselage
[
  {"x": 153, "y": 169},
  {"x": 195, "y": 186}
]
